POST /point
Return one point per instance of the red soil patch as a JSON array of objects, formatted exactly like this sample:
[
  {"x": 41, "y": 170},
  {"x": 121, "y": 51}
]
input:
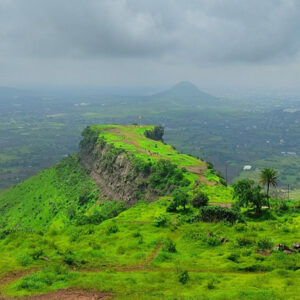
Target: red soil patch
[
  {"x": 221, "y": 204},
  {"x": 71, "y": 295},
  {"x": 264, "y": 253}
]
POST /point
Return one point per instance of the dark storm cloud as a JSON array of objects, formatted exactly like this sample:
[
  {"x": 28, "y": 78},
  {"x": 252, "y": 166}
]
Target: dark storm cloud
[
  {"x": 234, "y": 30},
  {"x": 132, "y": 41}
]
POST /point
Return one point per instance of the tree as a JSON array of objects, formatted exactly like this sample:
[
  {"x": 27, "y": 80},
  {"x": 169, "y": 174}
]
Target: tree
[
  {"x": 201, "y": 199},
  {"x": 180, "y": 198},
  {"x": 249, "y": 195},
  {"x": 268, "y": 177}
]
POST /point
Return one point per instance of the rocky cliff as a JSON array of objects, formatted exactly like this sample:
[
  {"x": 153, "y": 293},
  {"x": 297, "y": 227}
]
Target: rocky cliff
[{"x": 113, "y": 170}]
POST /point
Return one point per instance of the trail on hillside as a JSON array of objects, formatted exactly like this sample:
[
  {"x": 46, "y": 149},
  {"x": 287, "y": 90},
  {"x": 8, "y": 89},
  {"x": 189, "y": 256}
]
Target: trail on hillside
[
  {"x": 13, "y": 276},
  {"x": 221, "y": 204},
  {"x": 70, "y": 294},
  {"x": 131, "y": 139}
]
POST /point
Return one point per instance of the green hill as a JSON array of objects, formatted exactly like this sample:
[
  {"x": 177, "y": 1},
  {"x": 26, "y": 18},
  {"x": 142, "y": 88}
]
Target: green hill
[
  {"x": 117, "y": 218},
  {"x": 187, "y": 94}
]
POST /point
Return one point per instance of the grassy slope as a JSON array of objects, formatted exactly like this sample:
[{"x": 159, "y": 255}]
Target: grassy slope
[
  {"x": 126, "y": 255},
  {"x": 132, "y": 139},
  {"x": 119, "y": 262},
  {"x": 46, "y": 197}
]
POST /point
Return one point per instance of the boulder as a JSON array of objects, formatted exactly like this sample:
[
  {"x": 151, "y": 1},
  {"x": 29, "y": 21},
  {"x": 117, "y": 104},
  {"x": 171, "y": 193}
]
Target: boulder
[
  {"x": 284, "y": 248},
  {"x": 223, "y": 239},
  {"x": 296, "y": 246}
]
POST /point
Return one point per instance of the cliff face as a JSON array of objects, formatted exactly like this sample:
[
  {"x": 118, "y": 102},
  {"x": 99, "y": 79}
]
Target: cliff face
[{"x": 112, "y": 170}]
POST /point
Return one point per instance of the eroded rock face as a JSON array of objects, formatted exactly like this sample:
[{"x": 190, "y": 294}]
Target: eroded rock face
[
  {"x": 296, "y": 246},
  {"x": 114, "y": 173},
  {"x": 284, "y": 248}
]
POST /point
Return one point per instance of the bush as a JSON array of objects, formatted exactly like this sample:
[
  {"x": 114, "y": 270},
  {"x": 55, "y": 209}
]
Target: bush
[
  {"x": 264, "y": 244},
  {"x": 69, "y": 259},
  {"x": 37, "y": 254},
  {"x": 240, "y": 227},
  {"x": 217, "y": 214},
  {"x": 180, "y": 198},
  {"x": 45, "y": 278},
  {"x": 166, "y": 176},
  {"x": 161, "y": 221},
  {"x": 112, "y": 229},
  {"x": 24, "y": 260},
  {"x": 233, "y": 257},
  {"x": 109, "y": 209},
  {"x": 244, "y": 241},
  {"x": 213, "y": 241},
  {"x": 169, "y": 246},
  {"x": 249, "y": 195},
  {"x": 200, "y": 200},
  {"x": 183, "y": 277},
  {"x": 172, "y": 207},
  {"x": 282, "y": 205},
  {"x": 155, "y": 134}
]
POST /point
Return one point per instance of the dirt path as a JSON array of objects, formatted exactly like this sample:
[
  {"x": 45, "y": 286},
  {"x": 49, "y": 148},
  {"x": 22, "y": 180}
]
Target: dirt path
[
  {"x": 221, "y": 204},
  {"x": 152, "y": 256},
  {"x": 71, "y": 295},
  {"x": 13, "y": 276}
]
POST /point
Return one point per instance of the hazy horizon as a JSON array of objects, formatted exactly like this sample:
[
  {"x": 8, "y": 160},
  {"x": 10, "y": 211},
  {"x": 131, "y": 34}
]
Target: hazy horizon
[{"x": 225, "y": 45}]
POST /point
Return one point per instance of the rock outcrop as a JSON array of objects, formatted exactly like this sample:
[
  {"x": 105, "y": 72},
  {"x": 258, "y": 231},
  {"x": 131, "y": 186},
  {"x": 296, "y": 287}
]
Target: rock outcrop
[{"x": 113, "y": 170}]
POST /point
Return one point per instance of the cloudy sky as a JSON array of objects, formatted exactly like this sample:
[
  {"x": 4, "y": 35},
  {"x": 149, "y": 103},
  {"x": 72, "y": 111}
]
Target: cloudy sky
[{"x": 225, "y": 43}]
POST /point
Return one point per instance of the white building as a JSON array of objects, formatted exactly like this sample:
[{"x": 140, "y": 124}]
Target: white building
[{"x": 247, "y": 168}]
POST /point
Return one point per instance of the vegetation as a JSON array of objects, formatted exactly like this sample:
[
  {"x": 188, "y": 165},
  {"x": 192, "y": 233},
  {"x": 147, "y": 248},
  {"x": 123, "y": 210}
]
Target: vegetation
[
  {"x": 268, "y": 177},
  {"x": 59, "y": 228},
  {"x": 199, "y": 200},
  {"x": 249, "y": 195},
  {"x": 155, "y": 134}
]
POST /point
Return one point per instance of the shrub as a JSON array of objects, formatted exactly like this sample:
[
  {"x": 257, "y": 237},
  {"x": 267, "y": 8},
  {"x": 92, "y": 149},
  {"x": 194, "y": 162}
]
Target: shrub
[
  {"x": 112, "y": 229},
  {"x": 244, "y": 241},
  {"x": 233, "y": 257},
  {"x": 249, "y": 195},
  {"x": 69, "y": 259},
  {"x": 172, "y": 207},
  {"x": 155, "y": 134},
  {"x": 166, "y": 176},
  {"x": 37, "y": 254},
  {"x": 211, "y": 284},
  {"x": 213, "y": 241},
  {"x": 109, "y": 209},
  {"x": 180, "y": 198},
  {"x": 183, "y": 277},
  {"x": 24, "y": 260},
  {"x": 169, "y": 246},
  {"x": 201, "y": 199},
  {"x": 45, "y": 278},
  {"x": 282, "y": 205},
  {"x": 265, "y": 244},
  {"x": 161, "y": 221},
  {"x": 240, "y": 227},
  {"x": 217, "y": 214}
]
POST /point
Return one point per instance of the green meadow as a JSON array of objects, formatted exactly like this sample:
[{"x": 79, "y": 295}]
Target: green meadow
[{"x": 58, "y": 232}]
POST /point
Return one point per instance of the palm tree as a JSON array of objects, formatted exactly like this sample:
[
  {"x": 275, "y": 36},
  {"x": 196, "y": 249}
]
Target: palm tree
[{"x": 268, "y": 177}]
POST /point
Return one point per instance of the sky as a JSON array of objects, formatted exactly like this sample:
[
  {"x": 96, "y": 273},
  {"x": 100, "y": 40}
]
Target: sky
[{"x": 212, "y": 43}]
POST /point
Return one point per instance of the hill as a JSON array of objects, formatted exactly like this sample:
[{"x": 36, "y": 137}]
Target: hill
[
  {"x": 185, "y": 93},
  {"x": 117, "y": 219}
]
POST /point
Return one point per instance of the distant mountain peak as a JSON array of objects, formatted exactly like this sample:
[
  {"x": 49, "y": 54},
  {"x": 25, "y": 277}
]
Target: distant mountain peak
[
  {"x": 185, "y": 92},
  {"x": 185, "y": 84}
]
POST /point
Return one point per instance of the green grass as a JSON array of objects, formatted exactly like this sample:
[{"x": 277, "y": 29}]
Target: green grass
[
  {"x": 222, "y": 267},
  {"x": 129, "y": 254},
  {"x": 132, "y": 139}
]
